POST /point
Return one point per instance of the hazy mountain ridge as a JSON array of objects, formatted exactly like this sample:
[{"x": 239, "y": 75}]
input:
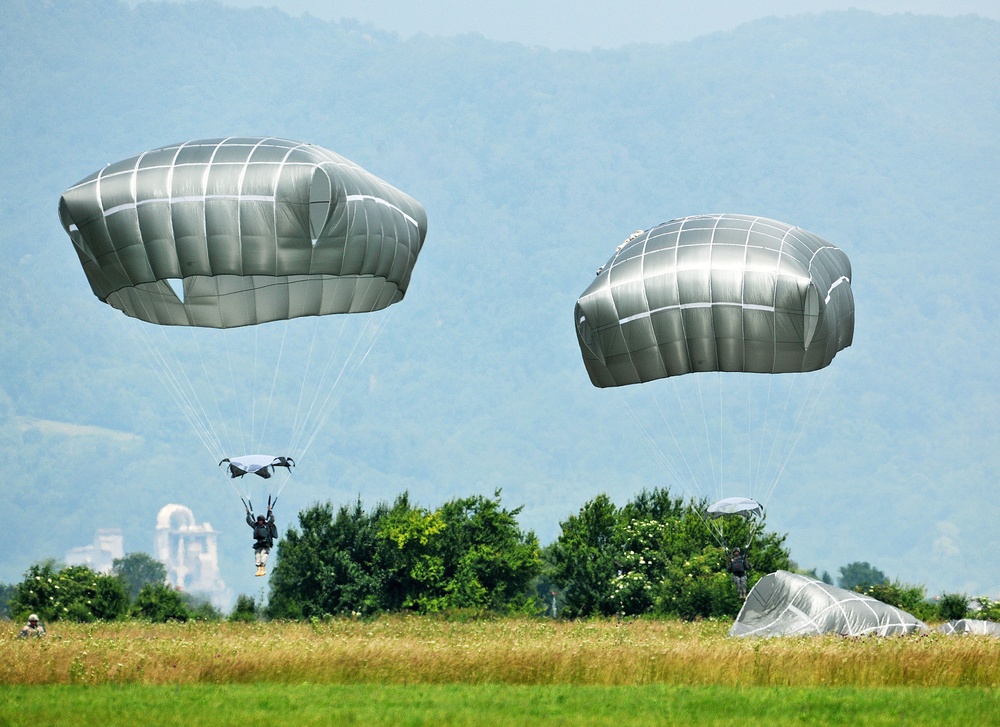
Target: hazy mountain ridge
[{"x": 876, "y": 133}]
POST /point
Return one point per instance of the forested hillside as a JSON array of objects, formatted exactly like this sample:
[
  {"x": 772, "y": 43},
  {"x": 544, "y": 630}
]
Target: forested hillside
[{"x": 876, "y": 133}]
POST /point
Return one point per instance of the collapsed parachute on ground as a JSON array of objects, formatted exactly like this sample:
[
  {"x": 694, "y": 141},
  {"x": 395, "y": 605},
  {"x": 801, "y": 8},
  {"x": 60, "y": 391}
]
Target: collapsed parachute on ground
[
  {"x": 788, "y": 604},
  {"x": 970, "y": 626},
  {"x": 737, "y": 506},
  {"x": 261, "y": 465},
  {"x": 719, "y": 292},
  {"x": 233, "y": 232}
]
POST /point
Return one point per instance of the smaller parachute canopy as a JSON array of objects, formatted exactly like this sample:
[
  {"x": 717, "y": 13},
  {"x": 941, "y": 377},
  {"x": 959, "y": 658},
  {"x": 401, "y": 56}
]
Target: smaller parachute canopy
[
  {"x": 261, "y": 465},
  {"x": 741, "y": 506},
  {"x": 719, "y": 292}
]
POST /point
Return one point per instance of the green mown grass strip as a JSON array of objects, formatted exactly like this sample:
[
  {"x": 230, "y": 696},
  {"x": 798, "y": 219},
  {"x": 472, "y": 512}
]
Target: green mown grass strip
[{"x": 305, "y": 704}]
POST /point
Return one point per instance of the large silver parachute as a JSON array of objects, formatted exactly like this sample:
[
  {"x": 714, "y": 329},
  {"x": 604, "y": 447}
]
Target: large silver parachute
[
  {"x": 721, "y": 292},
  {"x": 789, "y": 604},
  {"x": 714, "y": 304},
  {"x": 239, "y": 249},
  {"x": 242, "y": 230}
]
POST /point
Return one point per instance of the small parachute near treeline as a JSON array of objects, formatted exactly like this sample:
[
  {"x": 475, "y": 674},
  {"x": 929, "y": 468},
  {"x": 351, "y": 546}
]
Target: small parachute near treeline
[
  {"x": 261, "y": 465},
  {"x": 744, "y": 508},
  {"x": 227, "y": 245},
  {"x": 716, "y": 305}
]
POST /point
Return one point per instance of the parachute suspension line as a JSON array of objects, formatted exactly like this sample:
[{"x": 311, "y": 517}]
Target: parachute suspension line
[
  {"x": 208, "y": 421},
  {"x": 658, "y": 453},
  {"x": 692, "y": 477},
  {"x": 671, "y": 469},
  {"x": 761, "y": 470},
  {"x": 253, "y": 399},
  {"x": 185, "y": 398},
  {"x": 750, "y": 432},
  {"x": 809, "y": 403},
  {"x": 243, "y": 494},
  {"x": 258, "y": 444},
  {"x": 708, "y": 435},
  {"x": 783, "y": 420},
  {"x": 325, "y": 409},
  {"x": 301, "y": 419},
  {"x": 237, "y": 400},
  {"x": 722, "y": 439}
]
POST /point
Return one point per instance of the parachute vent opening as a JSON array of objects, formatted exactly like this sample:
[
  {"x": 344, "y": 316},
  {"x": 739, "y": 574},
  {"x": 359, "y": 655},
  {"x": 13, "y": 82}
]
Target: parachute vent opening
[
  {"x": 177, "y": 285},
  {"x": 587, "y": 336},
  {"x": 810, "y": 315},
  {"x": 320, "y": 203}
]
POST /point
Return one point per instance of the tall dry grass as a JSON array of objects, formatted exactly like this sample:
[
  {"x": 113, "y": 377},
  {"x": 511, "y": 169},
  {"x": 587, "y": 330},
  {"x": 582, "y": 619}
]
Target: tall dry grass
[{"x": 421, "y": 650}]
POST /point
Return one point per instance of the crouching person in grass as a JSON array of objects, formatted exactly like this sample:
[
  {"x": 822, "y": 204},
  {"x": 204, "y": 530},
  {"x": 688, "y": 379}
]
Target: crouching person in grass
[{"x": 32, "y": 628}]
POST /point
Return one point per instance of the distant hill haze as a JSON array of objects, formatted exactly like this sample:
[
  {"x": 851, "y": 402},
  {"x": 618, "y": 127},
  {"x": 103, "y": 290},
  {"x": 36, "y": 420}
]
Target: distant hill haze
[{"x": 875, "y": 133}]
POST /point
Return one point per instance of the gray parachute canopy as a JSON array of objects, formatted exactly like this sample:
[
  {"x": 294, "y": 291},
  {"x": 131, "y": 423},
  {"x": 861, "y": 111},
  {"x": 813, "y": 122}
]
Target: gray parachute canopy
[
  {"x": 720, "y": 292},
  {"x": 238, "y": 231},
  {"x": 789, "y": 604}
]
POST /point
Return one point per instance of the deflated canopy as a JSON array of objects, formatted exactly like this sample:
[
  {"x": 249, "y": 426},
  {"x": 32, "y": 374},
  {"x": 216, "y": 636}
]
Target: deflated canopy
[
  {"x": 740, "y": 506},
  {"x": 719, "y": 292},
  {"x": 232, "y": 232},
  {"x": 788, "y": 604},
  {"x": 970, "y": 626}
]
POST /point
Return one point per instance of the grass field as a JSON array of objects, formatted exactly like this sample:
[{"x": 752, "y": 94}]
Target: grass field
[
  {"x": 420, "y": 670},
  {"x": 492, "y": 704}
]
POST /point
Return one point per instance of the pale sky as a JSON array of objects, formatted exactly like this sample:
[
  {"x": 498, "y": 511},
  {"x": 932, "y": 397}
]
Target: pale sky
[{"x": 586, "y": 24}]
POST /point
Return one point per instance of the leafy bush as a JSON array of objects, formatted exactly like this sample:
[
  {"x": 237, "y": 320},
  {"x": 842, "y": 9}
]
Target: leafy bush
[
  {"x": 656, "y": 555},
  {"x": 952, "y": 606},
  {"x": 989, "y": 610},
  {"x": 200, "y": 607},
  {"x": 859, "y": 575},
  {"x": 245, "y": 609},
  {"x": 468, "y": 554},
  {"x": 72, "y": 593},
  {"x": 136, "y": 570},
  {"x": 7, "y": 591},
  {"x": 912, "y": 599},
  {"x": 159, "y": 603}
]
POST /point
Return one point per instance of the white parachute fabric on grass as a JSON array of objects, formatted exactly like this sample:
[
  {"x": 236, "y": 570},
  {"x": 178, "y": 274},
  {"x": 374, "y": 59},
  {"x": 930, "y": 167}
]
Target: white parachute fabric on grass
[
  {"x": 970, "y": 626},
  {"x": 789, "y": 604}
]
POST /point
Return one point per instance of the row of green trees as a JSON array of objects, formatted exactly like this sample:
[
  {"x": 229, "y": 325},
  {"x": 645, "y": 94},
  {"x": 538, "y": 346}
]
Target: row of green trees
[
  {"x": 135, "y": 588},
  {"x": 655, "y": 555},
  {"x": 468, "y": 554}
]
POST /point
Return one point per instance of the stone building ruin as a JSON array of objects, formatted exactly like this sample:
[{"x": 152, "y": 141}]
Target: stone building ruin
[{"x": 191, "y": 554}]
